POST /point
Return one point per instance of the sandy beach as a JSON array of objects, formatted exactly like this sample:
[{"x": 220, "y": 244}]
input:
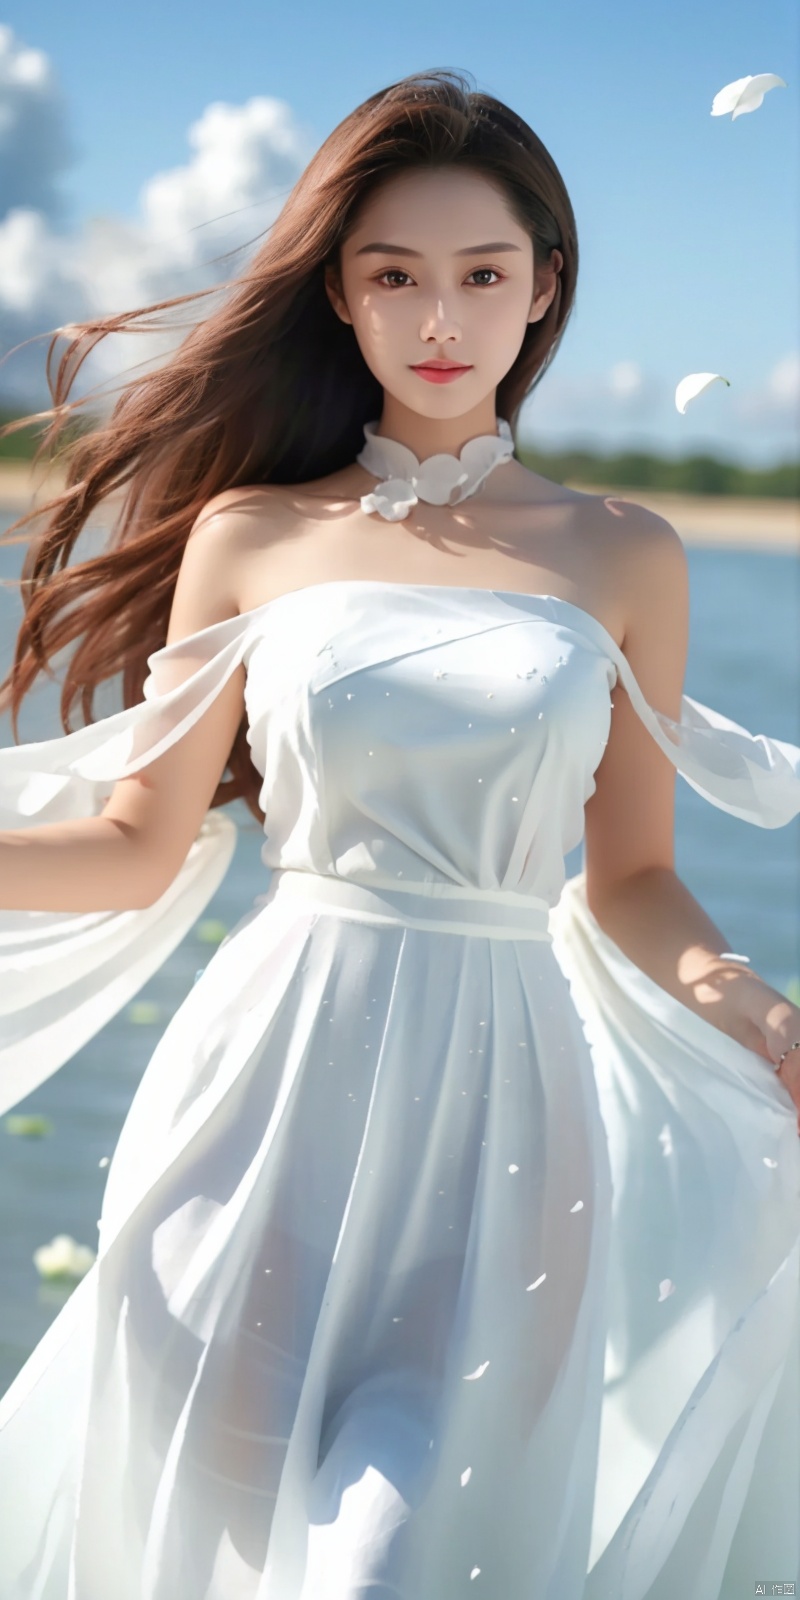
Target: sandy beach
[{"x": 699, "y": 519}]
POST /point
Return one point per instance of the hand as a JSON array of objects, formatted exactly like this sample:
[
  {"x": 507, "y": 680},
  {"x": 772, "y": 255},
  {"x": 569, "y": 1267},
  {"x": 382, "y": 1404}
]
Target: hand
[{"x": 776, "y": 1024}]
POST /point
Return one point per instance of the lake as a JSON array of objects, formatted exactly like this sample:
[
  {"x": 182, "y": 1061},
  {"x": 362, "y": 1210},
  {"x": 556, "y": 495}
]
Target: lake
[{"x": 744, "y": 660}]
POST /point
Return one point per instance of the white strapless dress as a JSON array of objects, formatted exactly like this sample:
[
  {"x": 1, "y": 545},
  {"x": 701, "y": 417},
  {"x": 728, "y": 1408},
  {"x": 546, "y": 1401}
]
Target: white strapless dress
[{"x": 443, "y": 1255}]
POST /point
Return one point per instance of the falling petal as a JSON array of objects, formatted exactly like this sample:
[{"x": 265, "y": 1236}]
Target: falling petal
[
  {"x": 465, "y": 1476},
  {"x": 665, "y": 1288},
  {"x": 478, "y": 1373},
  {"x": 104, "y": 1160},
  {"x": 538, "y": 1281},
  {"x": 745, "y": 94},
  {"x": 513, "y": 1168},
  {"x": 665, "y": 1139},
  {"x": 63, "y": 1257},
  {"x": 768, "y": 1162},
  {"x": 30, "y": 1126},
  {"x": 578, "y": 1206},
  {"x": 474, "y": 1572},
  {"x": 693, "y": 385},
  {"x": 730, "y": 955}
]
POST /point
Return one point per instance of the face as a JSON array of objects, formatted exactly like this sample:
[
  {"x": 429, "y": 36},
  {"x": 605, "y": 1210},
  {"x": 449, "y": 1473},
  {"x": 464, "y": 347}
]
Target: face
[{"x": 415, "y": 288}]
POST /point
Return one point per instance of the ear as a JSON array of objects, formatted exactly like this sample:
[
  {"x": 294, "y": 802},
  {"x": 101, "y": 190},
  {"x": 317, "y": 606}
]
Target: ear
[
  {"x": 333, "y": 290},
  {"x": 546, "y": 283}
]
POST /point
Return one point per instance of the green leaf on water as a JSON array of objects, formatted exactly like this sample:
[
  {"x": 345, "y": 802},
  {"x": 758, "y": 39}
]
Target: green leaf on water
[
  {"x": 30, "y": 1126},
  {"x": 210, "y": 931},
  {"x": 144, "y": 1012}
]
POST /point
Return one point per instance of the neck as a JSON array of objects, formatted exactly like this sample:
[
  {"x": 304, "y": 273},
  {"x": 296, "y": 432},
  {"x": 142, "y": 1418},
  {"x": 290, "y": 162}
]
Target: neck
[{"x": 432, "y": 436}]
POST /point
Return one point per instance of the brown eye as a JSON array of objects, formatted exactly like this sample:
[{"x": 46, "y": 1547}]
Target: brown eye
[
  {"x": 393, "y": 272},
  {"x": 397, "y": 272}
]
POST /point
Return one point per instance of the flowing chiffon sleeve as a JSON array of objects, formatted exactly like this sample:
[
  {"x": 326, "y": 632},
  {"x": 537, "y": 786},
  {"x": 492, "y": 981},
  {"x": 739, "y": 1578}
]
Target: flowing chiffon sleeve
[
  {"x": 749, "y": 775},
  {"x": 703, "y": 1309},
  {"x": 64, "y": 975}
]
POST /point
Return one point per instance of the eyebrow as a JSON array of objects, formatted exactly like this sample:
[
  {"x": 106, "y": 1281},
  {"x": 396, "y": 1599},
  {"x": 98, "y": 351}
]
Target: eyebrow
[{"x": 403, "y": 250}]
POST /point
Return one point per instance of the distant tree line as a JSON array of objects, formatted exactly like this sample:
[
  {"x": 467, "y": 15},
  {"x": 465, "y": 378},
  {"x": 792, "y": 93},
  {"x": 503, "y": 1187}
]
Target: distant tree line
[
  {"x": 628, "y": 469},
  {"x": 21, "y": 446},
  {"x": 639, "y": 469}
]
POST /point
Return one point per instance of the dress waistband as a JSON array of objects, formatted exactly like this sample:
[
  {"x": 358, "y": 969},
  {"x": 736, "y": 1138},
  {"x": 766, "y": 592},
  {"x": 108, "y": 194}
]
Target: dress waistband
[{"x": 481, "y": 913}]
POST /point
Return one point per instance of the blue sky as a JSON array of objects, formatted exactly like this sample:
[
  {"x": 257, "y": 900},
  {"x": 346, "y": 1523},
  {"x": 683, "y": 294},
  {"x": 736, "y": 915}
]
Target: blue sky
[{"x": 688, "y": 224}]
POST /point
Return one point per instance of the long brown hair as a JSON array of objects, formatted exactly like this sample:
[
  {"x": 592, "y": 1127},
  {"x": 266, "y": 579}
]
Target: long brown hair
[{"x": 236, "y": 403}]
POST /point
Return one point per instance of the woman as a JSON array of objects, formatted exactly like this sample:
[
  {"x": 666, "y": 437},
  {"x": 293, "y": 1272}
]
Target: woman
[{"x": 451, "y": 1241}]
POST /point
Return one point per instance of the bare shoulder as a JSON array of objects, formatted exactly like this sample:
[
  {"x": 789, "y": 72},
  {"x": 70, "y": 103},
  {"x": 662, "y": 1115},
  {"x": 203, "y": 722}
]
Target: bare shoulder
[
  {"x": 655, "y": 573},
  {"x": 645, "y": 553},
  {"x": 238, "y": 510},
  {"x": 225, "y": 530}
]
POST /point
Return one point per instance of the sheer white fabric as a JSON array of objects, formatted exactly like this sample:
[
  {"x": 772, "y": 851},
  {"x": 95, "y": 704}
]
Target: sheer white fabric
[{"x": 440, "y": 1246}]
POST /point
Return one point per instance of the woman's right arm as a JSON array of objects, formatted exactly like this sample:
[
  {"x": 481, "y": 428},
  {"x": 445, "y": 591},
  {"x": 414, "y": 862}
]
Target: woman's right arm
[{"x": 126, "y": 857}]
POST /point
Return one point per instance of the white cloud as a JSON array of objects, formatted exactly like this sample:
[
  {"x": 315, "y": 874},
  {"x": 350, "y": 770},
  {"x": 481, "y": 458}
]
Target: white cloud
[
  {"x": 629, "y": 407},
  {"x": 623, "y": 394},
  {"x": 244, "y": 161},
  {"x": 240, "y": 153},
  {"x": 35, "y": 149},
  {"x": 777, "y": 400},
  {"x": 626, "y": 380}
]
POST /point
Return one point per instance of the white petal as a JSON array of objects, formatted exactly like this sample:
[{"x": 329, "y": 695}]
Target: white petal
[
  {"x": 665, "y": 1288},
  {"x": 693, "y": 385},
  {"x": 479, "y": 1371},
  {"x": 726, "y": 99},
  {"x": 537, "y": 1282},
  {"x": 745, "y": 94}
]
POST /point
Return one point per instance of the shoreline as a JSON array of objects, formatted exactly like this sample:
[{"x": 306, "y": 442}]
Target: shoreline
[{"x": 734, "y": 520}]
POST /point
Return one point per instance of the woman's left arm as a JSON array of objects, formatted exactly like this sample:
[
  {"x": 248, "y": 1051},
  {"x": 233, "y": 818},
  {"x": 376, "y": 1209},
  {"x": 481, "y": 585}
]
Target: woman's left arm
[{"x": 632, "y": 888}]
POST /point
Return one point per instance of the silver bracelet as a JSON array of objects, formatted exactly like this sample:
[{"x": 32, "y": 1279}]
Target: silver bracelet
[{"x": 795, "y": 1046}]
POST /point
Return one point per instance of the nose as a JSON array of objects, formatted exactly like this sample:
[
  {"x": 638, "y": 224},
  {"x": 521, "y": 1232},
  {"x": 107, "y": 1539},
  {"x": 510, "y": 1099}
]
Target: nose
[{"x": 439, "y": 324}]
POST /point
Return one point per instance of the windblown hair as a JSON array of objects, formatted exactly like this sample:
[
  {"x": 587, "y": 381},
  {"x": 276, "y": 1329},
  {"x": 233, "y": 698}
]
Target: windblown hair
[{"x": 269, "y": 388}]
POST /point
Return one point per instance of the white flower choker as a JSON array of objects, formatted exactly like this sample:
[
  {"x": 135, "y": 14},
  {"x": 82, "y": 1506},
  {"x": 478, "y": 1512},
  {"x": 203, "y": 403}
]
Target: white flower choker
[{"x": 441, "y": 480}]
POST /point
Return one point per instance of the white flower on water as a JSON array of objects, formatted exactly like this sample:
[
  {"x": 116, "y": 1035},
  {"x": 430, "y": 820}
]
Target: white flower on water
[
  {"x": 746, "y": 94},
  {"x": 693, "y": 385},
  {"x": 63, "y": 1257}
]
